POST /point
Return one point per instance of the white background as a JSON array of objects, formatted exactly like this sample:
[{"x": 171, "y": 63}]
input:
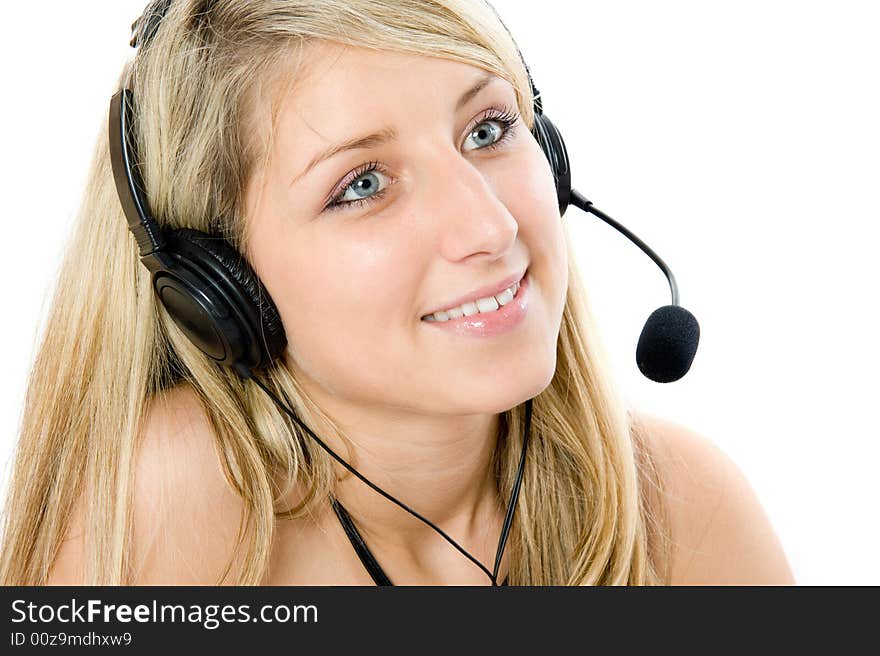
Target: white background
[{"x": 740, "y": 140}]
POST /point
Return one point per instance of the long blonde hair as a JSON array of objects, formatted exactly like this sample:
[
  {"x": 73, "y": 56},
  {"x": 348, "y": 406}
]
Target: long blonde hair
[{"x": 108, "y": 347}]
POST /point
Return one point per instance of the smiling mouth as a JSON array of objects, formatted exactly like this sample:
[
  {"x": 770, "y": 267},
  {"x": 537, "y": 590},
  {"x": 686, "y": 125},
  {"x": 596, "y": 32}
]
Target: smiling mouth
[{"x": 485, "y": 305}]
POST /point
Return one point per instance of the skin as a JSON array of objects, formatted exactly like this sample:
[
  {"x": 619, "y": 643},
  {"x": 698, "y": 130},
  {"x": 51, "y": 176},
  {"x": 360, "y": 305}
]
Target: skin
[{"x": 420, "y": 405}]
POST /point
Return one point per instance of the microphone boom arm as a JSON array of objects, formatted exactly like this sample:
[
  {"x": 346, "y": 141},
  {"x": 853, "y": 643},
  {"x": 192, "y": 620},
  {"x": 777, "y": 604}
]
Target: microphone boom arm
[{"x": 587, "y": 206}]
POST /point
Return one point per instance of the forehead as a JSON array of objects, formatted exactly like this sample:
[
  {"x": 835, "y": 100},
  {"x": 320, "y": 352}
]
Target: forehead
[
  {"x": 335, "y": 77},
  {"x": 339, "y": 91}
]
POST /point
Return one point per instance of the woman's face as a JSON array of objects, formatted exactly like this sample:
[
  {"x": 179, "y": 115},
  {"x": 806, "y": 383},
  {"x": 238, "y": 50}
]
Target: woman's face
[{"x": 437, "y": 213}]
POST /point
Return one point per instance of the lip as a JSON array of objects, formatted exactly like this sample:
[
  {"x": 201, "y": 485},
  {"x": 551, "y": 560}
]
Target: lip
[
  {"x": 482, "y": 292},
  {"x": 494, "y": 323}
]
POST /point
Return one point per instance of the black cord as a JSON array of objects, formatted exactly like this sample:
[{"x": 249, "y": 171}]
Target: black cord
[
  {"x": 511, "y": 506},
  {"x": 246, "y": 373}
]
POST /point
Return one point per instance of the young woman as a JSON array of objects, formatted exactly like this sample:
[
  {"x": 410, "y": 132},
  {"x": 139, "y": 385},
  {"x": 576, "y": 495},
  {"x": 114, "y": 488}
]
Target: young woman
[{"x": 373, "y": 162}]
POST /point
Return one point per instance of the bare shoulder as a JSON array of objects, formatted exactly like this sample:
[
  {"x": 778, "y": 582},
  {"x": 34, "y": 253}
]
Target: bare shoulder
[
  {"x": 185, "y": 516},
  {"x": 720, "y": 532}
]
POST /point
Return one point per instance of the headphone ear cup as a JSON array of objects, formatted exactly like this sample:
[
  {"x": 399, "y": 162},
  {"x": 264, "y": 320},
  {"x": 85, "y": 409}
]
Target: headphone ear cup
[
  {"x": 215, "y": 297},
  {"x": 550, "y": 140}
]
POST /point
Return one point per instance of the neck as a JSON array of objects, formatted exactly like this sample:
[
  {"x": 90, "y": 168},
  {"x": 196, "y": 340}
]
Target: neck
[
  {"x": 440, "y": 468},
  {"x": 437, "y": 465}
]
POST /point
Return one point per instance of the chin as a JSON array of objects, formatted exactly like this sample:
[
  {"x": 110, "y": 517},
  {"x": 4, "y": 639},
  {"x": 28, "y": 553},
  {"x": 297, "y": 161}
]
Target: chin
[{"x": 500, "y": 395}]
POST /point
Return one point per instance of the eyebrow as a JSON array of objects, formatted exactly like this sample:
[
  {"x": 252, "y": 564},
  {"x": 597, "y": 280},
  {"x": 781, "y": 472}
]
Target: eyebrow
[{"x": 388, "y": 133}]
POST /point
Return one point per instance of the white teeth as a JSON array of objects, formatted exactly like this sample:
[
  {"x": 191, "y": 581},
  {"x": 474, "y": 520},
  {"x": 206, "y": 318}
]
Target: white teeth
[
  {"x": 482, "y": 305},
  {"x": 505, "y": 297},
  {"x": 469, "y": 309}
]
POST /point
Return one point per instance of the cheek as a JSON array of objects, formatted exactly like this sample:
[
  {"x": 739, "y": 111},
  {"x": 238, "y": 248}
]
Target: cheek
[
  {"x": 530, "y": 193},
  {"x": 343, "y": 313},
  {"x": 527, "y": 184},
  {"x": 528, "y": 189}
]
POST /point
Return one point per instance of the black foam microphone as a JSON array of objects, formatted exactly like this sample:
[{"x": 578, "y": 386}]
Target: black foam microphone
[
  {"x": 671, "y": 334},
  {"x": 667, "y": 344}
]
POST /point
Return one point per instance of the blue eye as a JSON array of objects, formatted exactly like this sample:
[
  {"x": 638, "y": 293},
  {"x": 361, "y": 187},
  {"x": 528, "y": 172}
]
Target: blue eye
[
  {"x": 364, "y": 182},
  {"x": 364, "y": 179}
]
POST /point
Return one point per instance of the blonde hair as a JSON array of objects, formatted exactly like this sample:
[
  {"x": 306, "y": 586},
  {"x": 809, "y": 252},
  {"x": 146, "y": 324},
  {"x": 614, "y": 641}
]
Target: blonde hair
[{"x": 108, "y": 347}]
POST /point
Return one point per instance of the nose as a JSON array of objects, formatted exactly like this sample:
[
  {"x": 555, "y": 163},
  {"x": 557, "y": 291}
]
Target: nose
[{"x": 467, "y": 215}]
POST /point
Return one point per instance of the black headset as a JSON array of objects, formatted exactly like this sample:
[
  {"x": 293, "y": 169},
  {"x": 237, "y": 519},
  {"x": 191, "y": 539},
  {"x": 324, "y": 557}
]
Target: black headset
[
  {"x": 216, "y": 299},
  {"x": 205, "y": 284}
]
